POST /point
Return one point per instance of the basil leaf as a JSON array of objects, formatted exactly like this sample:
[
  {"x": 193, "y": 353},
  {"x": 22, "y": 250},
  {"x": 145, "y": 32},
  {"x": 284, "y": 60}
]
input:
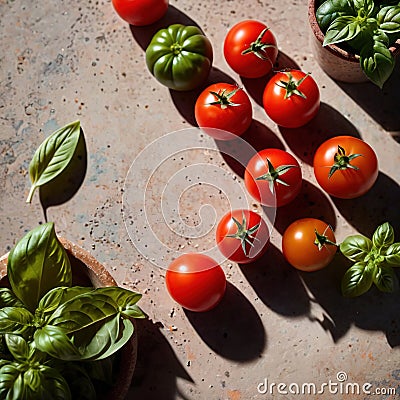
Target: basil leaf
[
  {"x": 79, "y": 382},
  {"x": 54, "y": 386},
  {"x": 329, "y": 10},
  {"x": 376, "y": 60},
  {"x": 383, "y": 236},
  {"x": 59, "y": 295},
  {"x": 53, "y": 155},
  {"x": 357, "y": 280},
  {"x": 125, "y": 299},
  {"x": 386, "y": 280},
  {"x": 15, "y": 320},
  {"x": 101, "y": 370},
  {"x": 389, "y": 19},
  {"x": 342, "y": 29},
  {"x": 392, "y": 256},
  {"x": 8, "y": 299},
  {"x": 37, "y": 264},
  {"x": 356, "y": 247},
  {"x": 18, "y": 347},
  {"x": 53, "y": 341},
  {"x": 127, "y": 332},
  {"x": 10, "y": 382}
]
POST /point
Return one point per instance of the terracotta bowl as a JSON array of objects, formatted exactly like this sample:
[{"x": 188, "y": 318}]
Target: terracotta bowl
[
  {"x": 336, "y": 62},
  {"x": 87, "y": 271}
]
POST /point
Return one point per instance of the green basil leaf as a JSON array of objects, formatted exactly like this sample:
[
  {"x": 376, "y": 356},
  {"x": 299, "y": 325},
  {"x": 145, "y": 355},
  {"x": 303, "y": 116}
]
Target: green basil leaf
[
  {"x": 357, "y": 280},
  {"x": 15, "y": 320},
  {"x": 53, "y": 341},
  {"x": 83, "y": 311},
  {"x": 54, "y": 386},
  {"x": 32, "y": 383},
  {"x": 376, "y": 60},
  {"x": 127, "y": 332},
  {"x": 101, "y": 370},
  {"x": 59, "y": 295},
  {"x": 18, "y": 347},
  {"x": 53, "y": 155},
  {"x": 392, "y": 256},
  {"x": 342, "y": 29},
  {"x": 356, "y": 247},
  {"x": 79, "y": 382},
  {"x": 8, "y": 299},
  {"x": 389, "y": 19},
  {"x": 329, "y": 10},
  {"x": 386, "y": 280},
  {"x": 383, "y": 236},
  {"x": 125, "y": 299},
  {"x": 10, "y": 382},
  {"x": 37, "y": 264}
]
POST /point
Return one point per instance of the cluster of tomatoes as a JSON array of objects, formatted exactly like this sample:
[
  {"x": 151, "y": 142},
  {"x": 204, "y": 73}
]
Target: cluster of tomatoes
[{"x": 345, "y": 167}]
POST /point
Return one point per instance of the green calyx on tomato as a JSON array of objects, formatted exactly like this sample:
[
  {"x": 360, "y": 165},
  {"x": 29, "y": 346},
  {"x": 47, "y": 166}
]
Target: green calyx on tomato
[
  {"x": 273, "y": 175},
  {"x": 224, "y": 98},
  {"x": 244, "y": 234},
  {"x": 180, "y": 57},
  {"x": 292, "y": 86},
  {"x": 342, "y": 161},
  {"x": 373, "y": 259},
  {"x": 258, "y": 47},
  {"x": 321, "y": 240}
]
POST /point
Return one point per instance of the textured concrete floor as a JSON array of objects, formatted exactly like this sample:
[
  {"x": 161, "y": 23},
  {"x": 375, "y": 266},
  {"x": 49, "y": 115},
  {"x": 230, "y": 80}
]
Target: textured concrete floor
[{"x": 67, "y": 60}]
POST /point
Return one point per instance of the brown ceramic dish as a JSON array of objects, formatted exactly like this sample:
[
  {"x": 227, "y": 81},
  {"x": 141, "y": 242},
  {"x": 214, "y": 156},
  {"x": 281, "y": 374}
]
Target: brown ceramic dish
[{"x": 87, "y": 271}]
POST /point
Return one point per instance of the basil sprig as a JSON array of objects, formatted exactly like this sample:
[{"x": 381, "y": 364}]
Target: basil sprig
[
  {"x": 373, "y": 259},
  {"x": 368, "y": 28}
]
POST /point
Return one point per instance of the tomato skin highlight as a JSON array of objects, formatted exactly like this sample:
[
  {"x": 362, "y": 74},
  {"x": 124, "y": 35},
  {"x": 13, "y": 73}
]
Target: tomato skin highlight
[
  {"x": 239, "y": 38},
  {"x": 298, "y": 245},
  {"x": 348, "y": 183},
  {"x": 294, "y": 111},
  {"x": 235, "y": 119},
  {"x": 260, "y": 190},
  {"x": 140, "y": 12},
  {"x": 196, "y": 282},
  {"x": 231, "y": 247}
]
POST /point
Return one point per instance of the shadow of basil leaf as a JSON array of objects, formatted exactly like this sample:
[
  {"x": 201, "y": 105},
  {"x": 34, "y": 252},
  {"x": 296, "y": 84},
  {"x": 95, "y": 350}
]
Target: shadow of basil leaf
[{"x": 64, "y": 186}]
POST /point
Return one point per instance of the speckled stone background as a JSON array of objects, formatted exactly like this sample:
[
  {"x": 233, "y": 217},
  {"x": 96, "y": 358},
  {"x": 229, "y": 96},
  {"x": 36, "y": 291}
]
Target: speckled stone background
[{"x": 67, "y": 60}]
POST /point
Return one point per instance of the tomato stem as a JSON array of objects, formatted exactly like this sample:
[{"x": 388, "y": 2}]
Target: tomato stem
[
  {"x": 273, "y": 175},
  {"x": 292, "y": 86},
  {"x": 321, "y": 240},
  {"x": 224, "y": 98},
  {"x": 244, "y": 234},
  {"x": 342, "y": 161},
  {"x": 258, "y": 47}
]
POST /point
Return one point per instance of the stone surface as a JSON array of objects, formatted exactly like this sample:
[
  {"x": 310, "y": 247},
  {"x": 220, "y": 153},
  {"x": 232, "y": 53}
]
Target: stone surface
[{"x": 69, "y": 60}]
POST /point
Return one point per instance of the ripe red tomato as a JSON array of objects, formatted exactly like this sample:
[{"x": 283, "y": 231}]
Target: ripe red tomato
[
  {"x": 273, "y": 177},
  {"x": 250, "y": 49},
  {"x": 291, "y": 98},
  {"x": 224, "y": 108},
  {"x": 309, "y": 244},
  {"x": 140, "y": 12},
  {"x": 242, "y": 236},
  {"x": 195, "y": 281},
  {"x": 345, "y": 167}
]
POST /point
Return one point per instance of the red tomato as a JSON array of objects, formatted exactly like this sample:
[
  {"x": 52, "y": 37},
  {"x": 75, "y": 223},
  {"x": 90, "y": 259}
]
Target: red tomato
[
  {"x": 242, "y": 236},
  {"x": 291, "y": 98},
  {"x": 345, "y": 167},
  {"x": 273, "y": 177},
  {"x": 195, "y": 281},
  {"x": 250, "y": 49},
  {"x": 224, "y": 108},
  {"x": 309, "y": 244},
  {"x": 140, "y": 12}
]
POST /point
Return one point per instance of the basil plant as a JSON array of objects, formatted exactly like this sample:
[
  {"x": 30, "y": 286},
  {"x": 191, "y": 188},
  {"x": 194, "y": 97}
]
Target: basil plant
[
  {"x": 374, "y": 261},
  {"x": 367, "y": 27},
  {"x": 56, "y": 339}
]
